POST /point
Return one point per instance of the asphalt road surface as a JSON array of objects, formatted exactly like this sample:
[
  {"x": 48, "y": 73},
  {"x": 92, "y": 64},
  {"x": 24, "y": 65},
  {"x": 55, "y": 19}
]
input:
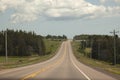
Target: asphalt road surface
[{"x": 63, "y": 66}]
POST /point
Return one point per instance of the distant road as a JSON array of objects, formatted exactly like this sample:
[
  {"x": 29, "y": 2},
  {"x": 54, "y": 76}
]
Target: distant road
[{"x": 63, "y": 66}]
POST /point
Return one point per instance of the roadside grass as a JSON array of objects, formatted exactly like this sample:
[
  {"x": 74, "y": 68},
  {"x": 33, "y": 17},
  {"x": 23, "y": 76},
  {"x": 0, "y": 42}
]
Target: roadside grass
[
  {"x": 51, "y": 45},
  {"x": 94, "y": 63},
  {"x": 51, "y": 48}
]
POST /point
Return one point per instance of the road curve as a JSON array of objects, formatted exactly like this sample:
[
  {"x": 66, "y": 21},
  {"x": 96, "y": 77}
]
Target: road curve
[{"x": 63, "y": 66}]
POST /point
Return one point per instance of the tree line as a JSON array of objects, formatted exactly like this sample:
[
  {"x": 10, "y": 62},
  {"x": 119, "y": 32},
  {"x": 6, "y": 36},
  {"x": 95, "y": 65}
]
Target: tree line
[
  {"x": 21, "y": 43},
  {"x": 53, "y": 37},
  {"x": 102, "y": 46}
]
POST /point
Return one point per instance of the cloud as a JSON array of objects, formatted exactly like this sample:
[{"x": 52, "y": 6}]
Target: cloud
[
  {"x": 117, "y": 0},
  {"x": 30, "y": 10}
]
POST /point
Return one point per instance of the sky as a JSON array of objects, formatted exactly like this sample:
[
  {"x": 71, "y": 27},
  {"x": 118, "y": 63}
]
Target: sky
[{"x": 58, "y": 17}]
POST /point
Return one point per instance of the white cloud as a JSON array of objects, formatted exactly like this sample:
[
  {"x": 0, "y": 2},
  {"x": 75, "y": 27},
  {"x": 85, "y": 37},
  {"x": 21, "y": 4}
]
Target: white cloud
[
  {"x": 117, "y": 0},
  {"x": 30, "y": 10}
]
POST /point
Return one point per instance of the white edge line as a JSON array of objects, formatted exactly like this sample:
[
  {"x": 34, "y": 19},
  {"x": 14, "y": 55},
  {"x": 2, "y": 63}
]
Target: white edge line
[{"x": 80, "y": 70}]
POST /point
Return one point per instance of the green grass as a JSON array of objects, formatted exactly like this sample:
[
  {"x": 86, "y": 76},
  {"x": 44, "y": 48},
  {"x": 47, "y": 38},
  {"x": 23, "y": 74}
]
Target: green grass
[
  {"x": 51, "y": 45},
  {"x": 94, "y": 63},
  {"x": 51, "y": 48}
]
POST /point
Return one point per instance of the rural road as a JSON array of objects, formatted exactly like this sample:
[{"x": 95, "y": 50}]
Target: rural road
[{"x": 63, "y": 66}]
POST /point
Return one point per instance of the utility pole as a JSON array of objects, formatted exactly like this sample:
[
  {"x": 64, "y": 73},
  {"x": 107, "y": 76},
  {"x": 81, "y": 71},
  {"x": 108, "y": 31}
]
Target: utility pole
[
  {"x": 114, "y": 34},
  {"x": 91, "y": 44},
  {"x": 6, "y": 52},
  {"x": 99, "y": 46}
]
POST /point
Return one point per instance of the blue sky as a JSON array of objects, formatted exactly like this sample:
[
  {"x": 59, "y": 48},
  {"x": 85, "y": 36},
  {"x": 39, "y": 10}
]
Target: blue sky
[{"x": 58, "y": 17}]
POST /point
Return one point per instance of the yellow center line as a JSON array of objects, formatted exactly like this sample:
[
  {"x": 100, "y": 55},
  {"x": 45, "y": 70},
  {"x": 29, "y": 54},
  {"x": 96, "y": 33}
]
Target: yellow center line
[{"x": 32, "y": 75}]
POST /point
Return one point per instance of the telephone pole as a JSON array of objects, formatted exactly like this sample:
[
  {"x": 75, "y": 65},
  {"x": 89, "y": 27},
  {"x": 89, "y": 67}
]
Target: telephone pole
[
  {"x": 99, "y": 49},
  {"x": 91, "y": 45},
  {"x": 6, "y": 52},
  {"x": 114, "y": 35}
]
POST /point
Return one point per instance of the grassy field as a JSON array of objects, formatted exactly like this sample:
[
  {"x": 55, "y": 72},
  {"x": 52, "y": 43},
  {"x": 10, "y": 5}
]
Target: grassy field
[
  {"x": 94, "y": 63},
  {"x": 51, "y": 48},
  {"x": 51, "y": 45}
]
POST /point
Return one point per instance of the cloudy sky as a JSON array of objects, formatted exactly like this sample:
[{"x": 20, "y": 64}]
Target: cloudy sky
[{"x": 58, "y": 17}]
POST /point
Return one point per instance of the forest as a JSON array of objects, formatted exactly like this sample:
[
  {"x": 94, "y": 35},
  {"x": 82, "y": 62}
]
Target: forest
[
  {"x": 54, "y": 37},
  {"x": 21, "y": 43},
  {"x": 100, "y": 47}
]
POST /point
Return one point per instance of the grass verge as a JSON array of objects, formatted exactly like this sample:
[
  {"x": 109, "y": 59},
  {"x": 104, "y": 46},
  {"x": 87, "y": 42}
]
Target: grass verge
[
  {"x": 94, "y": 63},
  {"x": 51, "y": 48}
]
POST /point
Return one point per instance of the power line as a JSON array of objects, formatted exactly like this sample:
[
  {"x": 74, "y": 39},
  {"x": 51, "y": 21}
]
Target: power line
[{"x": 114, "y": 34}]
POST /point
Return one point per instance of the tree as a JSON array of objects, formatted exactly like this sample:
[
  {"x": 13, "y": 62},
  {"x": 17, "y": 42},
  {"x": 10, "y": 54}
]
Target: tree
[
  {"x": 101, "y": 45},
  {"x": 22, "y": 43}
]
